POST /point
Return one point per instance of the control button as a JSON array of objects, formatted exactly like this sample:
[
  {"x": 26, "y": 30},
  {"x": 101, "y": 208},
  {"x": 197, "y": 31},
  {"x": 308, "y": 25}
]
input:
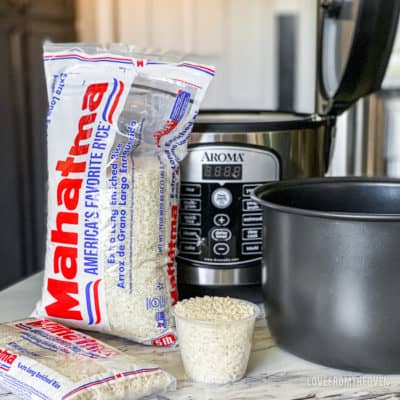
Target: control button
[
  {"x": 189, "y": 248},
  {"x": 252, "y": 248},
  {"x": 221, "y": 198},
  {"x": 190, "y": 234},
  {"x": 252, "y": 233},
  {"x": 221, "y": 219},
  {"x": 252, "y": 219},
  {"x": 190, "y": 219},
  {"x": 247, "y": 189},
  {"x": 221, "y": 234},
  {"x": 221, "y": 249},
  {"x": 251, "y": 205},
  {"x": 192, "y": 189},
  {"x": 190, "y": 205}
]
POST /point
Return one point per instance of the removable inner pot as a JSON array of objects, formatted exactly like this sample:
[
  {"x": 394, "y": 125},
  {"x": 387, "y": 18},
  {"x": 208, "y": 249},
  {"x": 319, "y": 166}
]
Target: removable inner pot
[
  {"x": 332, "y": 196},
  {"x": 331, "y": 258}
]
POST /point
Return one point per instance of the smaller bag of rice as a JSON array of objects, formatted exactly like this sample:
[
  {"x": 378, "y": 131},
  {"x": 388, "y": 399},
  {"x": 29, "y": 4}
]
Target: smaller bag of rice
[{"x": 42, "y": 359}]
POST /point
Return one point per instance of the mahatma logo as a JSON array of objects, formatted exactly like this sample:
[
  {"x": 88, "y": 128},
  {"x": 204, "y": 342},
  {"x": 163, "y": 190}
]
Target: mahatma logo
[
  {"x": 76, "y": 338},
  {"x": 222, "y": 157},
  {"x": 63, "y": 284},
  {"x": 171, "y": 270},
  {"x": 165, "y": 341},
  {"x": 6, "y": 359}
]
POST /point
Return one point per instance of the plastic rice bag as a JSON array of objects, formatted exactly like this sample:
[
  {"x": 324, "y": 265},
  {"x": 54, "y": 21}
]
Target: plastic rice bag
[
  {"x": 41, "y": 359},
  {"x": 118, "y": 128}
]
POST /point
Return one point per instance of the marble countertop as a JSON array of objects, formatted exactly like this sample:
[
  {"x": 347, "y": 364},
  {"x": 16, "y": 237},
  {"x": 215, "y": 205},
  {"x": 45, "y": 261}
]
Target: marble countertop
[{"x": 272, "y": 373}]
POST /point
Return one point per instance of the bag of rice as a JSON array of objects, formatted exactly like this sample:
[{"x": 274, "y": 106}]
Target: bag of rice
[
  {"x": 41, "y": 359},
  {"x": 118, "y": 128}
]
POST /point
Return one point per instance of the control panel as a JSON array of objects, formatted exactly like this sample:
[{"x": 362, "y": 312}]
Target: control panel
[{"x": 220, "y": 224}]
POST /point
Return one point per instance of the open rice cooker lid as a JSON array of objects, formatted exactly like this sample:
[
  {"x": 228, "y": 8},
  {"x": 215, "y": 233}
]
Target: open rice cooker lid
[
  {"x": 354, "y": 46},
  {"x": 355, "y": 42}
]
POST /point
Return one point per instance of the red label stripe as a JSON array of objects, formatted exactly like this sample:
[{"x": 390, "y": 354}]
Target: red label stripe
[
  {"x": 96, "y": 300},
  {"x": 116, "y": 101},
  {"x": 105, "y": 58},
  {"x": 200, "y": 66}
]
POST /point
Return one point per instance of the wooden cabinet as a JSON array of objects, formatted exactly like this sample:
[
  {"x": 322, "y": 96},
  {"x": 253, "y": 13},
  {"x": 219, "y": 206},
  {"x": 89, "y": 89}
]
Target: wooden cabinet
[{"x": 24, "y": 25}]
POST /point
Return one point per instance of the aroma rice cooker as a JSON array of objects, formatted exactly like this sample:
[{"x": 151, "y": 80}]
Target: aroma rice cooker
[
  {"x": 221, "y": 227},
  {"x": 220, "y": 234}
]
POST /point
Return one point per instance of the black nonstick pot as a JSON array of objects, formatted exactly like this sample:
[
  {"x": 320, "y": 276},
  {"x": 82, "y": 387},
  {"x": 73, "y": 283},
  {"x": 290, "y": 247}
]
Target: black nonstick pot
[{"x": 331, "y": 275}]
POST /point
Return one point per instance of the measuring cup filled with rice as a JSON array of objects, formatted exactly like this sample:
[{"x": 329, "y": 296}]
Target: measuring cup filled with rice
[{"x": 215, "y": 337}]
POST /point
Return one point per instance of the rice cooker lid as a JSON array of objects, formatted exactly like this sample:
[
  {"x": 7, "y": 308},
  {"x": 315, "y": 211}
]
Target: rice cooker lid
[
  {"x": 253, "y": 121},
  {"x": 355, "y": 42}
]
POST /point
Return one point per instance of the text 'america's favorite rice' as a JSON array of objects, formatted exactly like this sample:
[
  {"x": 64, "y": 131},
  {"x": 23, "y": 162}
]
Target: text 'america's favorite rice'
[{"x": 117, "y": 129}]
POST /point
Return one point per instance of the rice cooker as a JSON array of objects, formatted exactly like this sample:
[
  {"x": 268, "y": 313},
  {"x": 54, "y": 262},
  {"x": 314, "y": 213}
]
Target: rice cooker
[{"x": 231, "y": 153}]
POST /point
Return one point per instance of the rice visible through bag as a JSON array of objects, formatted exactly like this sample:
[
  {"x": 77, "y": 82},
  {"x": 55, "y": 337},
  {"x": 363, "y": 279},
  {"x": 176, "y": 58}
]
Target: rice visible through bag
[
  {"x": 147, "y": 262},
  {"x": 42, "y": 359},
  {"x": 117, "y": 130}
]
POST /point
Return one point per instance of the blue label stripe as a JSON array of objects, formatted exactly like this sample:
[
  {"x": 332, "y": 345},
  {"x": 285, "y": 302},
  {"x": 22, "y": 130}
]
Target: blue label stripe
[
  {"x": 5, "y": 367},
  {"x": 88, "y": 59},
  {"x": 23, "y": 327},
  {"x": 79, "y": 59},
  {"x": 88, "y": 385},
  {"x": 88, "y": 304},
  {"x": 180, "y": 106},
  {"x": 155, "y": 63},
  {"x": 206, "y": 71},
  {"x": 114, "y": 90},
  {"x": 141, "y": 371}
]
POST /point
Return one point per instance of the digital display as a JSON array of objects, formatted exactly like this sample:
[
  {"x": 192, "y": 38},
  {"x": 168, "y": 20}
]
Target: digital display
[{"x": 222, "y": 171}]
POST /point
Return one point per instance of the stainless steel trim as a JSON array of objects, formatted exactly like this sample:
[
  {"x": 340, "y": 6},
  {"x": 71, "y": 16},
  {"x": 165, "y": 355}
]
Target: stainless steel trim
[
  {"x": 220, "y": 277},
  {"x": 301, "y": 151},
  {"x": 211, "y": 264},
  {"x": 260, "y": 164},
  {"x": 366, "y": 128}
]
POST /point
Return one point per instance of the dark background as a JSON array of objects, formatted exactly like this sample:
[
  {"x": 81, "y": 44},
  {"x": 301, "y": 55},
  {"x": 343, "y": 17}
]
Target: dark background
[{"x": 24, "y": 25}]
